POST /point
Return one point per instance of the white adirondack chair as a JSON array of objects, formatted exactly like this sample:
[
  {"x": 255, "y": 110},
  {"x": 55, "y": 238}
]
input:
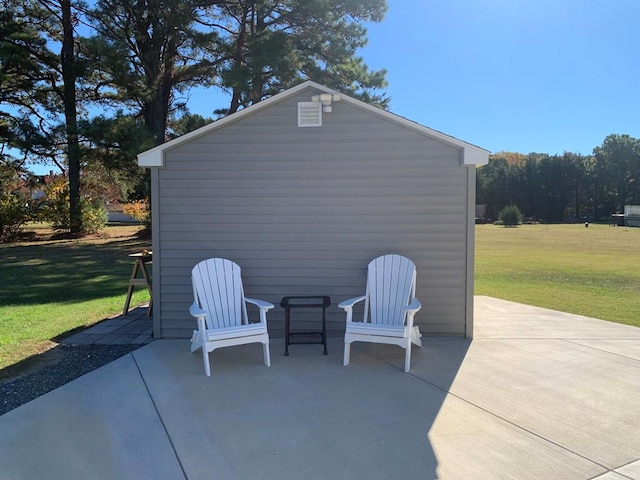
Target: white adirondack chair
[
  {"x": 220, "y": 308},
  {"x": 389, "y": 307}
]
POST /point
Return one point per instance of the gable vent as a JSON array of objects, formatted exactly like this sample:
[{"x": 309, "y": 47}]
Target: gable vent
[{"x": 309, "y": 114}]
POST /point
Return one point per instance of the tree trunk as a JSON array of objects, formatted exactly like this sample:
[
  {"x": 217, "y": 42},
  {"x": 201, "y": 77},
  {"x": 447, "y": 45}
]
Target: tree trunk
[
  {"x": 238, "y": 58},
  {"x": 257, "y": 82},
  {"x": 71, "y": 120},
  {"x": 235, "y": 100},
  {"x": 156, "y": 113}
]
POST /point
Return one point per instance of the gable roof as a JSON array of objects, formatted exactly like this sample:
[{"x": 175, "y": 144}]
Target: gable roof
[{"x": 473, "y": 155}]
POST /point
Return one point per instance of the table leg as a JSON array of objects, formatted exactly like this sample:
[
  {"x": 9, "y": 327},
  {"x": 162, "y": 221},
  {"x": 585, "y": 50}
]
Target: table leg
[
  {"x": 324, "y": 330},
  {"x": 287, "y": 318},
  {"x": 134, "y": 274}
]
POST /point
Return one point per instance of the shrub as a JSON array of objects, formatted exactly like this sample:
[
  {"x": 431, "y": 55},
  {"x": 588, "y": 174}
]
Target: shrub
[
  {"x": 510, "y": 216},
  {"x": 94, "y": 214},
  {"x": 15, "y": 203},
  {"x": 56, "y": 206},
  {"x": 138, "y": 210},
  {"x": 13, "y": 215}
]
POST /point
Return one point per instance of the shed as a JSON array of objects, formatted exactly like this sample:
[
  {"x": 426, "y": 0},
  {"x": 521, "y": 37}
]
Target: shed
[{"x": 303, "y": 195}]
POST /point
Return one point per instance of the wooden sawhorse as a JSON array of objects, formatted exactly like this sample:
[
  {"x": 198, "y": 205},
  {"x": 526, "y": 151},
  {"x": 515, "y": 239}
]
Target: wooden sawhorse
[{"x": 139, "y": 266}]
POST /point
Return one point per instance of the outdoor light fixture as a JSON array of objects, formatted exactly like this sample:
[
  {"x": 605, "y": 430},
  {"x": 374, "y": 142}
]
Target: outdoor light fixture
[
  {"x": 310, "y": 113},
  {"x": 326, "y": 99}
]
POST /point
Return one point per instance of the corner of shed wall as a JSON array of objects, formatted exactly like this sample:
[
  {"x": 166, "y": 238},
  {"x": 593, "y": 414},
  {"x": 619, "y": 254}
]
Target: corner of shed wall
[
  {"x": 471, "y": 235},
  {"x": 155, "y": 248}
]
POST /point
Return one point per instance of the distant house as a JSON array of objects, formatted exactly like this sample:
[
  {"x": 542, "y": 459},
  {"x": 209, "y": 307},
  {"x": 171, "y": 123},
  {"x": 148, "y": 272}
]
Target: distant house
[{"x": 303, "y": 195}]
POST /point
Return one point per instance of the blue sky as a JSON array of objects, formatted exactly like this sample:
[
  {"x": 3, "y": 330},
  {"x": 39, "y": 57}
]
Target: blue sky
[{"x": 543, "y": 76}]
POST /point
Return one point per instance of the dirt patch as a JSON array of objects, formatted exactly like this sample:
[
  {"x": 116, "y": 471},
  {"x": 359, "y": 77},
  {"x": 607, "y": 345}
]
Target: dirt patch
[{"x": 50, "y": 355}]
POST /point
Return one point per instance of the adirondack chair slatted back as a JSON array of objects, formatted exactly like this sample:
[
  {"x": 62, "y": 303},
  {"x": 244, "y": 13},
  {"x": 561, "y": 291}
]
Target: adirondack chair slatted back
[
  {"x": 391, "y": 285},
  {"x": 217, "y": 288}
]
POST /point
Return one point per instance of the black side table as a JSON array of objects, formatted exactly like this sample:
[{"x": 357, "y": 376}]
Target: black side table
[{"x": 304, "y": 302}]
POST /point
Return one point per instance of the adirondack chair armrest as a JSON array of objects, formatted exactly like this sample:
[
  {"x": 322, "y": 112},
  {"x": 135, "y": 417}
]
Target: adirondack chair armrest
[
  {"x": 261, "y": 304},
  {"x": 348, "y": 304},
  {"x": 414, "y": 306},
  {"x": 196, "y": 311},
  {"x": 199, "y": 313},
  {"x": 410, "y": 311}
]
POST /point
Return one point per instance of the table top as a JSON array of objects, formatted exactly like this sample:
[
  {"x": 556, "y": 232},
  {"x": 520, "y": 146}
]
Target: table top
[
  {"x": 305, "y": 301},
  {"x": 145, "y": 255}
]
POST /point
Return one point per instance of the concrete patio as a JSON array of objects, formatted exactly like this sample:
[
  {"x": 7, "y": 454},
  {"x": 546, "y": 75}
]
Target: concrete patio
[{"x": 537, "y": 394}]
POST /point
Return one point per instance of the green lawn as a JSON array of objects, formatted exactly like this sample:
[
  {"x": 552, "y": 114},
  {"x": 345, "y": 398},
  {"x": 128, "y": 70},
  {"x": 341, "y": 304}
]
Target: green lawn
[
  {"x": 52, "y": 287},
  {"x": 592, "y": 271}
]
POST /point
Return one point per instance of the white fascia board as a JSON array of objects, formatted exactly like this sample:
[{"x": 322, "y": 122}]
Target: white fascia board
[
  {"x": 475, "y": 156},
  {"x": 152, "y": 158}
]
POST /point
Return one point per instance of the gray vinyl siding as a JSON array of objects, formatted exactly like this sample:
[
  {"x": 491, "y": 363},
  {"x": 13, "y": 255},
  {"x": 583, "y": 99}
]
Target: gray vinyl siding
[{"x": 303, "y": 211}]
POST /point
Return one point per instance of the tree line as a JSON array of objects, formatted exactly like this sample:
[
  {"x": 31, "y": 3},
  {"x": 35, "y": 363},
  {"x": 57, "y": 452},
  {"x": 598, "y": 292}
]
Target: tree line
[
  {"x": 135, "y": 61},
  {"x": 563, "y": 188}
]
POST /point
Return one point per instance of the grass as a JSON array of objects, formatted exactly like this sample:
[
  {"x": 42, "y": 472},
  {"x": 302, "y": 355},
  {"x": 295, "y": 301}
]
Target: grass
[
  {"x": 592, "y": 271},
  {"x": 51, "y": 287}
]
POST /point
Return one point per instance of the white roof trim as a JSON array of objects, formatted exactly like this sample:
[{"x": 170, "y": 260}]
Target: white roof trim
[
  {"x": 475, "y": 156},
  {"x": 472, "y": 155}
]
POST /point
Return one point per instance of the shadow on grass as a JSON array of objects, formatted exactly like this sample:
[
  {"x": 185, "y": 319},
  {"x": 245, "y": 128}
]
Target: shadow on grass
[{"x": 66, "y": 271}]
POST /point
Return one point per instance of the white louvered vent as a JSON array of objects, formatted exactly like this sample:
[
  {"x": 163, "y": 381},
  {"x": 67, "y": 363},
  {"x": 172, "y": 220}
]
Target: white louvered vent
[{"x": 309, "y": 114}]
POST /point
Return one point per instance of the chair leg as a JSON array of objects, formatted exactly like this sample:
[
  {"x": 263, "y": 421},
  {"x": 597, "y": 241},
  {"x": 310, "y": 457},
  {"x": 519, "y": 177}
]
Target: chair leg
[
  {"x": 205, "y": 356},
  {"x": 267, "y": 356},
  {"x": 347, "y": 353},
  {"x": 407, "y": 357}
]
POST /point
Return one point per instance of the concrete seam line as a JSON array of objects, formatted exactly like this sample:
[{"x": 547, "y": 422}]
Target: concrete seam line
[{"x": 153, "y": 402}]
